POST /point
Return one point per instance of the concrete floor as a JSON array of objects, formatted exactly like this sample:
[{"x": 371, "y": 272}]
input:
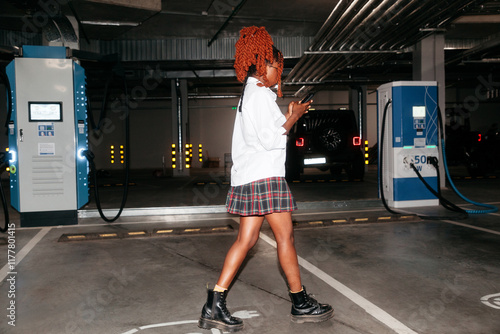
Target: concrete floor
[{"x": 147, "y": 272}]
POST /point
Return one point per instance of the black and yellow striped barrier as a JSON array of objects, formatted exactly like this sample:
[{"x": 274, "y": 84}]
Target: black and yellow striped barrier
[
  {"x": 163, "y": 232},
  {"x": 355, "y": 220}
]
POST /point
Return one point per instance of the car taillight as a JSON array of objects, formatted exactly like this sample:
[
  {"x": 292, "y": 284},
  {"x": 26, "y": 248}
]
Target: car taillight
[
  {"x": 479, "y": 137},
  {"x": 356, "y": 141},
  {"x": 299, "y": 142}
]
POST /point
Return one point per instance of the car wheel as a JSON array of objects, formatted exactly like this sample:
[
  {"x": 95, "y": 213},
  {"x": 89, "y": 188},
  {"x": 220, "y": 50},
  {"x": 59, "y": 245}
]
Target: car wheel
[
  {"x": 356, "y": 169},
  {"x": 293, "y": 168},
  {"x": 336, "y": 171},
  {"x": 292, "y": 173}
]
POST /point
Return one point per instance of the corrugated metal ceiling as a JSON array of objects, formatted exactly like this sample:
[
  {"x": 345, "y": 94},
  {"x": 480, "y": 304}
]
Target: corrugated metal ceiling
[{"x": 332, "y": 42}]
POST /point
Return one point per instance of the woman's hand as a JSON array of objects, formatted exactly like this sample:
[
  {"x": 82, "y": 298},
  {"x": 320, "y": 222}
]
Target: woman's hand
[
  {"x": 295, "y": 111},
  {"x": 298, "y": 109}
]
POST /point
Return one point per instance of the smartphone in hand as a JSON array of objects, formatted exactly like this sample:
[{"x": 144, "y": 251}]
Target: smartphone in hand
[{"x": 307, "y": 98}]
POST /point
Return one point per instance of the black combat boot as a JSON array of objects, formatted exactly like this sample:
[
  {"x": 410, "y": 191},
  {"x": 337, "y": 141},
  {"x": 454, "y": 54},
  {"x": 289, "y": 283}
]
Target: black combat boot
[
  {"x": 307, "y": 309},
  {"x": 215, "y": 314}
]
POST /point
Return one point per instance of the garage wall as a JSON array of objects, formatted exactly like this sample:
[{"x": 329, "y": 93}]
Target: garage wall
[
  {"x": 481, "y": 111},
  {"x": 211, "y": 124}
]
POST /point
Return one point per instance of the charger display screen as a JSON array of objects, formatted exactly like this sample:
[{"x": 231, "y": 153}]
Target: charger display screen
[
  {"x": 45, "y": 111},
  {"x": 418, "y": 111}
]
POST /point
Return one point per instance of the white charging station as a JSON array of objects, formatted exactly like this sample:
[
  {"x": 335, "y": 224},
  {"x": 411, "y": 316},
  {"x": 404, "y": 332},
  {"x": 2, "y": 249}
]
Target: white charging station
[
  {"x": 411, "y": 135},
  {"x": 47, "y": 134}
]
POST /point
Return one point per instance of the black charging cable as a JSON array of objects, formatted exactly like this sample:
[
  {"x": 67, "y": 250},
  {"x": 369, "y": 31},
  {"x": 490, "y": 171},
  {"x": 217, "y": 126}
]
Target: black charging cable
[
  {"x": 381, "y": 164},
  {"x": 443, "y": 201},
  {"x": 4, "y": 157},
  {"x": 90, "y": 157},
  {"x": 3, "y": 164}
]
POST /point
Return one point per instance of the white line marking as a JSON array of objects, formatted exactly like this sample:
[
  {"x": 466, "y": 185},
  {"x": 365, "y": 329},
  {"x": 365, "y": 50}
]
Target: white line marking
[
  {"x": 492, "y": 300},
  {"x": 368, "y": 306},
  {"x": 132, "y": 331},
  {"x": 244, "y": 314},
  {"x": 165, "y": 324},
  {"x": 174, "y": 323},
  {"x": 472, "y": 226},
  {"x": 25, "y": 250}
]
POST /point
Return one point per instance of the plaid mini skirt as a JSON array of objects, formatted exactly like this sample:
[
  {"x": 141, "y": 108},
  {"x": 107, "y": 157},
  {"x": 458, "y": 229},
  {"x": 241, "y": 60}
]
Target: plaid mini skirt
[{"x": 260, "y": 198}]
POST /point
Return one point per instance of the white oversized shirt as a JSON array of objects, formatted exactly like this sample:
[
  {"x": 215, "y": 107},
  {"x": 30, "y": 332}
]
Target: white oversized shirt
[{"x": 259, "y": 139}]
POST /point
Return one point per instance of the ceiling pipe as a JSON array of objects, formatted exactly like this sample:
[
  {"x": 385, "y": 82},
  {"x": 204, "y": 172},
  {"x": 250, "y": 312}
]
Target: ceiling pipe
[
  {"x": 480, "y": 49},
  {"x": 12, "y": 50},
  {"x": 334, "y": 60},
  {"x": 347, "y": 52},
  {"x": 424, "y": 20},
  {"x": 344, "y": 21},
  {"x": 357, "y": 60},
  {"x": 400, "y": 22},
  {"x": 304, "y": 63},
  {"x": 332, "y": 81},
  {"x": 389, "y": 20},
  {"x": 483, "y": 61},
  {"x": 354, "y": 24},
  {"x": 233, "y": 13},
  {"x": 309, "y": 61},
  {"x": 371, "y": 22},
  {"x": 393, "y": 21},
  {"x": 325, "y": 63},
  {"x": 366, "y": 22},
  {"x": 329, "y": 23},
  {"x": 341, "y": 64},
  {"x": 458, "y": 12},
  {"x": 322, "y": 65}
]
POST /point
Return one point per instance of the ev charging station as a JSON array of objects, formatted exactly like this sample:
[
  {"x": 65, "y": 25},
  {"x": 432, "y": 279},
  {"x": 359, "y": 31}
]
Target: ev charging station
[
  {"x": 407, "y": 119},
  {"x": 47, "y": 136}
]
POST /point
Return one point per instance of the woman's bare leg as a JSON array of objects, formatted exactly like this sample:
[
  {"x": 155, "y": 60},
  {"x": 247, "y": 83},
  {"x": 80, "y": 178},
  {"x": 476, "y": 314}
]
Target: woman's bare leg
[
  {"x": 248, "y": 234},
  {"x": 282, "y": 226}
]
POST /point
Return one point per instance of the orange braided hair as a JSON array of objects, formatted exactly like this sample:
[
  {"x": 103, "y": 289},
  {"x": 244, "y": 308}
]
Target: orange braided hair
[{"x": 255, "y": 47}]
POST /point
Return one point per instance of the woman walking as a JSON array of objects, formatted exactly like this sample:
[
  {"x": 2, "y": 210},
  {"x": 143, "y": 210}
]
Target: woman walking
[{"x": 258, "y": 187}]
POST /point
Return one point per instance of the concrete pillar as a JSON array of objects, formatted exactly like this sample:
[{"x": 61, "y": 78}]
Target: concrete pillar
[
  {"x": 180, "y": 125},
  {"x": 428, "y": 65}
]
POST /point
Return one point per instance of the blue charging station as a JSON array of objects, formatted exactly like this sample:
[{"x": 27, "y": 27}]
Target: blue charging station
[
  {"x": 47, "y": 136},
  {"x": 411, "y": 136}
]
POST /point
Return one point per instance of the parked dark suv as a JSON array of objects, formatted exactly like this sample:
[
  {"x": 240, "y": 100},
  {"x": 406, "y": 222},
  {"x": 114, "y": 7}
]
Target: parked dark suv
[{"x": 325, "y": 139}]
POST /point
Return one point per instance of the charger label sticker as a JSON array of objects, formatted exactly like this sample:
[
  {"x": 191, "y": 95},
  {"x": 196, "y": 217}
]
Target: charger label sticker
[
  {"x": 46, "y": 149},
  {"x": 419, "y": 142}
]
